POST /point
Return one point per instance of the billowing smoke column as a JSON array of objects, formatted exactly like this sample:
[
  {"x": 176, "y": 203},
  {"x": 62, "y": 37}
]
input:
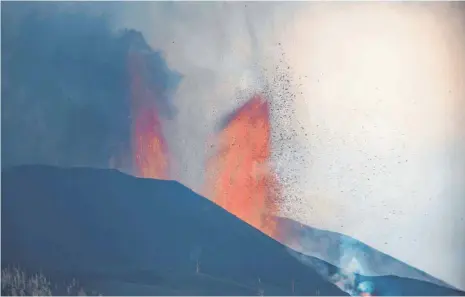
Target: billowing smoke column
[
  {"x": 76, "y": 92},
  {"x": 239, "y": 176},
  {"x": 149, "y": 149}
]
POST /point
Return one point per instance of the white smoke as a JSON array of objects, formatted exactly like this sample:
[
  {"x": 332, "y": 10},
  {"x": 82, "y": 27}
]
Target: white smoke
[
  {"x": 369, "y": 110},
  {"x": 344, "y": 279},
  {"x": 222, "y": 49}
]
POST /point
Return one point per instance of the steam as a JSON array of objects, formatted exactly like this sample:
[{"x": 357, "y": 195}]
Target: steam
[
  {"x": 367, "y": 118},
  {"x": 334, "y": 259},
  {"x": 345, "y": 279},
  {"x": 365, "y": 108},
  {"x": 222, "y": 49}
]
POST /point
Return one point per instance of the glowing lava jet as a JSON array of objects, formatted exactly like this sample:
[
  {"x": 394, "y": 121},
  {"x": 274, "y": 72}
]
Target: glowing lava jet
[
  {"x": 149, "y": 149},
  {"x": 239, "y": 176}
]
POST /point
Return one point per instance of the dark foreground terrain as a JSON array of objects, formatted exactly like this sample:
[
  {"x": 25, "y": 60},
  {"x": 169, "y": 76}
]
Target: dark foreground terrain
[{"x": 119, "y": 235}]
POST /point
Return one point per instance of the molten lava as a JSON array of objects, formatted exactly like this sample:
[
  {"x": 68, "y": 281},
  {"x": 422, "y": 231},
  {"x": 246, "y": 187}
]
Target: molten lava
[
  {"x": 150, "y": 153},
  {"x": 240, "y": 178}
]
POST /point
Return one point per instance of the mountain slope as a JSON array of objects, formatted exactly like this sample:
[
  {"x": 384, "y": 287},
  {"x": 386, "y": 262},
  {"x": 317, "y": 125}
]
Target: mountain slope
[
  {"x": 126, "y": 236},
  {"x": 121, "y": 235},
  {"x": 346, "y": 252}
]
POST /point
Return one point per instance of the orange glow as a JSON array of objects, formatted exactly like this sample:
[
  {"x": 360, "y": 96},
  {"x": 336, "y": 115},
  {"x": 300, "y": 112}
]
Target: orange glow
[
  {"x": 239, "y": 176},
  {"x": 150, "y": 153}
]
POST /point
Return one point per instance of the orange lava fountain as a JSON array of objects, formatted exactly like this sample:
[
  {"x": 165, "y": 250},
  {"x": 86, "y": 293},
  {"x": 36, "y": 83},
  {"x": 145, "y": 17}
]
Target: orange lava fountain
[
  {"x": 239, "y": 176},
  {"x": 150, "y": 153}
]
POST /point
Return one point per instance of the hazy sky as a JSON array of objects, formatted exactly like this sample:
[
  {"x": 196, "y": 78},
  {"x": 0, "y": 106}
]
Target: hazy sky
[
  {"x": 377, "y": 89},
  {"x": 371, "y": 103}
]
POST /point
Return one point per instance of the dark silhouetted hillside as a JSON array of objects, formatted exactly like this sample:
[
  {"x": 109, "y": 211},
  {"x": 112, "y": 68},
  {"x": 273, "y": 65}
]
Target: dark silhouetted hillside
[{"x": 121, "y": 235}]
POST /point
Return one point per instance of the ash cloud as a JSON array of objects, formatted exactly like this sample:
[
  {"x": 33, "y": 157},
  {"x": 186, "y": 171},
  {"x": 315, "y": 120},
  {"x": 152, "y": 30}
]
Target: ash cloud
[
  {"x": 338, "y": 163},
  {"x": 65, "y": 88},
  {"x": 226, "y": 53},
  {"x": 362, "y": 156}
]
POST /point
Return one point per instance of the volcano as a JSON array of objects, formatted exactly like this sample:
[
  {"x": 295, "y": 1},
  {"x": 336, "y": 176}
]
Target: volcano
[{"x": 121, "y": 235}]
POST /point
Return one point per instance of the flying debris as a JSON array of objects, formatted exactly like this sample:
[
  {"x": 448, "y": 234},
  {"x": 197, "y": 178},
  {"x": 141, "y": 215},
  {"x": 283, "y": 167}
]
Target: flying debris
[{"x": 239, "y": 176}]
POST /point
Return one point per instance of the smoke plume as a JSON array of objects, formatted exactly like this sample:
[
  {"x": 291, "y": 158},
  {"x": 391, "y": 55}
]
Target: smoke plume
[
  {"x": 366, "y": 121},
  {"x": 66, "y": 86}
]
